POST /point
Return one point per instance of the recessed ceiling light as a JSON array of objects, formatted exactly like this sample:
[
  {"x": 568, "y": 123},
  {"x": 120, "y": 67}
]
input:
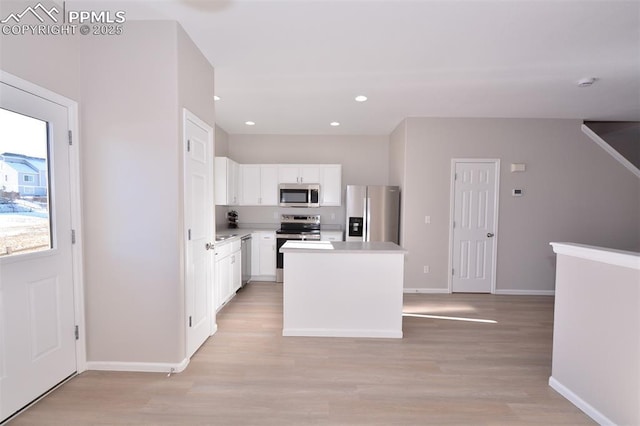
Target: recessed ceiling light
[
  {"x": 250, "y": 123},
  {"x": 334, "y": 124},
  {"x": 216, "y": 97},
  {"x": 361, "y": 98},
  {"x": 587, "y": 81}
]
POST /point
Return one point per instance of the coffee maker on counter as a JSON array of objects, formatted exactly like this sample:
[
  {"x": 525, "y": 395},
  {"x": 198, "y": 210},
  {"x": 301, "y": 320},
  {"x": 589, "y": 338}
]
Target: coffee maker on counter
[{"x": 232, "y": 219}]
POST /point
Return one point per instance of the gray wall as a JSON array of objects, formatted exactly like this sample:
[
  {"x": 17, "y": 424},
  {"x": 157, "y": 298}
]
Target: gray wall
[
  {"x": 573, "y": 191},
  {"x": 130, "y": 134},
  {"x": 48, "y": 61},
  {"x": 364, "y": 160}
]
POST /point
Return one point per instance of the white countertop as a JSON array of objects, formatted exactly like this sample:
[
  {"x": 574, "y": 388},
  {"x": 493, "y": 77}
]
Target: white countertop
[
  {"x": 627, "y": 259},
  {"x": 341, "y": 247}
]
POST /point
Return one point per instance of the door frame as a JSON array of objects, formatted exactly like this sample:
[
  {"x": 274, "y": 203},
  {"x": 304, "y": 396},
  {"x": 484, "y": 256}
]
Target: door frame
[
  {"x": 496, "y": 163},
  {"x": 77, "y": 249}
]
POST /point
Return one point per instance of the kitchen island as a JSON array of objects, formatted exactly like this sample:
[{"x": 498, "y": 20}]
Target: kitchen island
[{"x": 343, "y": 289}]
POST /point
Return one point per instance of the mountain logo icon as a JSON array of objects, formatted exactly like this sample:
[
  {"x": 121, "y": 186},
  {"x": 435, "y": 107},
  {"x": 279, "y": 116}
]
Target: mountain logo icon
[{"x": 39, "y": 11}]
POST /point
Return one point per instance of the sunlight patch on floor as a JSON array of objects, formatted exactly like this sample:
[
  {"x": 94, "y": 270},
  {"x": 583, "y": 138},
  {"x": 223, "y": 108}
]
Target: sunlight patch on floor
[{"x": 487, "y": 321}]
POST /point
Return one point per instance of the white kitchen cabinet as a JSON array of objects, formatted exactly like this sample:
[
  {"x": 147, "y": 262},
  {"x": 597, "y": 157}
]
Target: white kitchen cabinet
[
  {"x": 259, "y": 185},
  {"x": 228, "y": 272},
  {"x": 226, "y": 181},
  {"x": 331, "y": 236},
  {"x": 331, "y": 185},
  {"x": 298, "y": 173},
  {"x": 263, "y": 256}
]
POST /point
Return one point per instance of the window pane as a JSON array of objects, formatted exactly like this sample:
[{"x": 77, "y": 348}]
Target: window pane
[{"x": 24, "y": 185}]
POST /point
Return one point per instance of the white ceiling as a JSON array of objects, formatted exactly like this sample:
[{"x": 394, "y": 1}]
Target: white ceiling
[{"x": 294, "y": 66}]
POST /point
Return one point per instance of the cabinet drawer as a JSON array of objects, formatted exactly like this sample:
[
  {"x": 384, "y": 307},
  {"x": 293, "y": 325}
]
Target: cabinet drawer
[{"x": 222, "y": 250}]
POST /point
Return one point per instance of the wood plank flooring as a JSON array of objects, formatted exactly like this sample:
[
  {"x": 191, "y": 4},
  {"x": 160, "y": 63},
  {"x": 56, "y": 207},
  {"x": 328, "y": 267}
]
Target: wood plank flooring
[{"x": 443, "y": 372}]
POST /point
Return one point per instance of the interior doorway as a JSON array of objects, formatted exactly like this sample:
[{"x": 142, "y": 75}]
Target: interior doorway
[{"x": 474, "y": 222}]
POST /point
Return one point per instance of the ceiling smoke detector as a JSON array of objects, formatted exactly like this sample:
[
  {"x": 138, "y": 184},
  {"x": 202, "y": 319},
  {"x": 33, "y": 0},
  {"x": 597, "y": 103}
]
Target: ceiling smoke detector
[{"x": 586, "y": 82}]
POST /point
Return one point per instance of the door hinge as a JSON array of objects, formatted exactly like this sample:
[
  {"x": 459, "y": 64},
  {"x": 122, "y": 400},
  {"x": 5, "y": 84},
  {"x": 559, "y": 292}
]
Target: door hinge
[
  {"x": 73, "y": 236},
  {"x": 454, "y": 223},
  {"x": 455, "y": 176},
  {"x": 189, "y": 321},
  {"x": 453, "y": 272},
  {"x": 77, "y": 333},
  {"x": 189, "y": 234},
  {"x": 70, "y": 137},
  {"x": 188, "y": 145}
]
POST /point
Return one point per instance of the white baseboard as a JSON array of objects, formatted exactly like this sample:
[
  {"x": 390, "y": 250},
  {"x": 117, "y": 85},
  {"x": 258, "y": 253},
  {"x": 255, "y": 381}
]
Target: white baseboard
[
  {"x": 263, "y": 279},
  {"x": 427, "y": 290},
  {"x": 326, "y": 332},
  {"x": 588, "y": 409},
  {"x": 214, "y": 329},
  {"x": 143, "y": 367},
  {"x": 527, "y": 292}
]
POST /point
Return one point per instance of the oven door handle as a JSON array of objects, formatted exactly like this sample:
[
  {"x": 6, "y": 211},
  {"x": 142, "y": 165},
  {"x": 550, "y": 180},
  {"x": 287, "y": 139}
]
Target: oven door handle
[{"x": 297, "y": 237}]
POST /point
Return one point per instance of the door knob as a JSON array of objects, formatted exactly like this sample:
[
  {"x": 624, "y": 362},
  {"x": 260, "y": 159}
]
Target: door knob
[
  {"x": 208, "y": 246},
  {"x": 489, "y": 235}
]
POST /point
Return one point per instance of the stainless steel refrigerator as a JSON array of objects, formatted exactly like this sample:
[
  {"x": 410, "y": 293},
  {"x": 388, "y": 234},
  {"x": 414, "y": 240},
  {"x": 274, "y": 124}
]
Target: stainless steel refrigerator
[{"x": 373, "y": 213}]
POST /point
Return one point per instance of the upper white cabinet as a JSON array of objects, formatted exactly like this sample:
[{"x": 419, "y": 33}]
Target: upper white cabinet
[
  {"x": 331, "y": 185},
  {"x": 298, "y": 173},
  {"x": 259, "y": 185},
  {"x": 227, "y": 174}
]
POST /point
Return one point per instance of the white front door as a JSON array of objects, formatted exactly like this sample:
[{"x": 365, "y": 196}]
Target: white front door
[
  {"x": 475, "y": 184},
  {"x": 37, "y": 320},
  {"x": 199, "y": 230}
]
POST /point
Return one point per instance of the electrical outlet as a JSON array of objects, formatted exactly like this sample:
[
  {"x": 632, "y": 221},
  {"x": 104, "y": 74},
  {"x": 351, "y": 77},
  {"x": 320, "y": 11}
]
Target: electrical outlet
[
  {"x": 427, "y": 219},
  {"x": 333, "y": 216},
  {"x": 275, "y": 215},
  {"x": 426, "y": 269}
]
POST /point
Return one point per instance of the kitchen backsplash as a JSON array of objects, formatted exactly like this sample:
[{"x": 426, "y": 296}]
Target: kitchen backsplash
[{"x": 333, "y": 216}]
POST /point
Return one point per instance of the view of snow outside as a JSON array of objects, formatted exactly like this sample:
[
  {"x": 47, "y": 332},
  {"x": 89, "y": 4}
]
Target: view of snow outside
[{"x": 24, "y": 185}]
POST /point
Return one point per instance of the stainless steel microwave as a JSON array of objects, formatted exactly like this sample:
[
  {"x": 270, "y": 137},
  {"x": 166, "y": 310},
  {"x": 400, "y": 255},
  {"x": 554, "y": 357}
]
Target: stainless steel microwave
[{"x": 299, "y": 195}]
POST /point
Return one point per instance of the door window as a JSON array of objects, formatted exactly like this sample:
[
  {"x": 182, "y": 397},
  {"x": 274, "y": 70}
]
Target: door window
[{"x": 25, "y": 225}]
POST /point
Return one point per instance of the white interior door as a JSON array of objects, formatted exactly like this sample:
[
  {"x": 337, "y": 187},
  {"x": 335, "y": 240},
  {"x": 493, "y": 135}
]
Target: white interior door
[
  {"x": 475, "y": 184},
  {"x": 199, "y": 230},
  {"x": 37, "y": 320}
]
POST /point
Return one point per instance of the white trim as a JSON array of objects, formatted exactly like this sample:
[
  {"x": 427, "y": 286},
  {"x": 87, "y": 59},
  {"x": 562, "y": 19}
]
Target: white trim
[
  {"x": 427, "y": 290},
  {"x": 518, "y": 292},
  {"x": 327, "y": 332},
  {"x": 587, "y": 408},
  {"x": 610, "y": 150},
  {"x": 142, "y": 367},
  {"x": 76, "y": 204},
  {"x": 626, "y": 259},
  {"x": 496, "y": 162}
]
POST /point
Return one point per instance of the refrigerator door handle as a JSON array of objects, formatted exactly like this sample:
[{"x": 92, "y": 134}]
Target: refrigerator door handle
[{"x": 368, "y": 219}]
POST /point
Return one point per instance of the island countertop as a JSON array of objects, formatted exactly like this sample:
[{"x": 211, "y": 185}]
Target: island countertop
[{"x": 341, "y": 247}]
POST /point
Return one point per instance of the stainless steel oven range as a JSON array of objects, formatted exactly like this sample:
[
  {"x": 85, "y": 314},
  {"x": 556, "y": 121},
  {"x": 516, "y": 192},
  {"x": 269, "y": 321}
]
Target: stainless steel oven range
[{"x": 294, "y": 227}]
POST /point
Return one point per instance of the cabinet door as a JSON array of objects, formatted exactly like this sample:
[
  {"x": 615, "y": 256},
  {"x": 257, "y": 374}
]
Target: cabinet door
[
  {"x": 331, "y": 186},
  {"x": 220, "y": 172},
  {"x": 235, "y": 273},
  {"x": 255, "y": 254},
  {"x": 288, "y": 174},
  {"x": 222, "y": 280},
  {"x": 250, "y": 184},
  {"x": 268, "y": 185},
  {"x": 267, "y": 253},
  {"x": 309, "y": 174},
  {"x": 233, "y": 175}
]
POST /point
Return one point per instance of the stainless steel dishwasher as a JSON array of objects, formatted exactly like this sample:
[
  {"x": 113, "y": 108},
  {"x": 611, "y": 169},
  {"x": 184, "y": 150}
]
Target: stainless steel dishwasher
[{"x": 245, "y": 250}]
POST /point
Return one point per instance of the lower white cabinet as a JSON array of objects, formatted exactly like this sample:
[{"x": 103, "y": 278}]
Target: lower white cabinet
[
  {"x": 228, "y": 272},
  {"x": 263, "y": 256}
]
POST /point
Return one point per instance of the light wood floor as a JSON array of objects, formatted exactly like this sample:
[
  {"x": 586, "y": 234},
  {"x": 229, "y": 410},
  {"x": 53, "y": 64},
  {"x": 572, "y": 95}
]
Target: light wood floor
[{"x": 443, "y": 372}]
